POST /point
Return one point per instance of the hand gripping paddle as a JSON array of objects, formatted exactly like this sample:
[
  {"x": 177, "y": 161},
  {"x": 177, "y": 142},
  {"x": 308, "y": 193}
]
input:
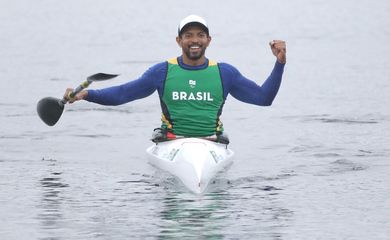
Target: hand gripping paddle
[{"x": 50, "y": 109}]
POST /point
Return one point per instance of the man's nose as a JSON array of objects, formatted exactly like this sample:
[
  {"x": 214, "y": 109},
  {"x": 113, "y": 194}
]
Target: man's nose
[{"x": 195, "y": 39}]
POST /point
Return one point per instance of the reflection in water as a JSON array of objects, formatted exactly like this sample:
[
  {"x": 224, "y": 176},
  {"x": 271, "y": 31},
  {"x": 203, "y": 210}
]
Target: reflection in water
[
  {"x": 51, "y": 213},
  {"x": 187, "y": 215},
  {"x": 241, "y": 209}
]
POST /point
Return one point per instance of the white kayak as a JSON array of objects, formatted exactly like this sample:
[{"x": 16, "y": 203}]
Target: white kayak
[{"x": 195, "y": 162}]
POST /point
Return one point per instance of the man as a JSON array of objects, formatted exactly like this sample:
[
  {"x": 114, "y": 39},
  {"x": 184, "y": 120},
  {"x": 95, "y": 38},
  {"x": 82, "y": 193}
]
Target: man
[{"x": 193, "y": 89}]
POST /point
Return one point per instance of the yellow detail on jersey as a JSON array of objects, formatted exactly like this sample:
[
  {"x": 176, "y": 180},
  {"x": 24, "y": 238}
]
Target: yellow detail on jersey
[
  {"x": 173, "y": 61},
  {"x": 219, "y": 126},
  {"x": 166, "y": 122},
  {"x": 212, "y": 63}
]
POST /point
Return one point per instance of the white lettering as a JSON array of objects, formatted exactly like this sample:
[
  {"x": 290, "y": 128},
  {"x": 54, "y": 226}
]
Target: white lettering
[
  {"x": 209, "y": 97},
  {"x": 191, "y": 97},
  {"x": 175, "y": 95},
  {"x": 183, "y": 96},
  {"x": 197, "y": 96}
]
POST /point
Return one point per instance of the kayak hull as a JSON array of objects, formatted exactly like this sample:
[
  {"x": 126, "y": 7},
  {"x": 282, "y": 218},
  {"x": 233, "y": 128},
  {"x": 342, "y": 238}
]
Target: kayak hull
[{"x": 195, "y": 162}]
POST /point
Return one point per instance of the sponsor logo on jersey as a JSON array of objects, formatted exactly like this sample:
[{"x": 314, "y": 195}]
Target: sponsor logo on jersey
[{"x": 192, "y": 83}]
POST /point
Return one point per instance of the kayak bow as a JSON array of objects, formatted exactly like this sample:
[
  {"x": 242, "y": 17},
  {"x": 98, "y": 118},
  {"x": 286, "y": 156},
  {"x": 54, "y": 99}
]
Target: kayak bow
[{"x": 195, "y": 162}]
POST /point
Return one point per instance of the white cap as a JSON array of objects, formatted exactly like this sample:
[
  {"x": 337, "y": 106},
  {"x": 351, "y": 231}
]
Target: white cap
[{"x": 193, "y": 19}]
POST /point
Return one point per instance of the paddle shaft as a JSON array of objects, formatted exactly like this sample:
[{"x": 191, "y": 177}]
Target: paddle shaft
[
  {"x": 86, "y": 83},
  {"x": 72, "y": 94}
]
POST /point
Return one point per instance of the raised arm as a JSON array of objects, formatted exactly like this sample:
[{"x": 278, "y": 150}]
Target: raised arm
[{"x": 248, "y": 91}]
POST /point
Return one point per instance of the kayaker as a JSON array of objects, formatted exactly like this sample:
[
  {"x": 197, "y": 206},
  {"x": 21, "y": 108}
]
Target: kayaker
[{"x": 192, "y": 88}]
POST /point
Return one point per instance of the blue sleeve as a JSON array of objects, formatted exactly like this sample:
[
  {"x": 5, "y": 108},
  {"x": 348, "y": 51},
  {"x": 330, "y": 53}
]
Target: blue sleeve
[
  {"x": 142, "y": 87},
  {"x": 247, "y": 90}
]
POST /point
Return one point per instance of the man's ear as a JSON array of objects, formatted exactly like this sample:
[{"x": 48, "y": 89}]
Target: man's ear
[
  {"x": 178, "y": 40},
  {"x": 209, "y": 40}
]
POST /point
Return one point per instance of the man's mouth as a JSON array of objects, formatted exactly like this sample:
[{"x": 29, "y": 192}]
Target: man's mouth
[
  {"x": 194, "y": 47},
  {"x": 195, "y": 51}
]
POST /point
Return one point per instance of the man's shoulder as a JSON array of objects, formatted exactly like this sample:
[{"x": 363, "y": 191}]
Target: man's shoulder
[
  {"x": 158, "y": 68},
  {"x": 160, "y": 65},
  {"x": 227, "y": 68}
]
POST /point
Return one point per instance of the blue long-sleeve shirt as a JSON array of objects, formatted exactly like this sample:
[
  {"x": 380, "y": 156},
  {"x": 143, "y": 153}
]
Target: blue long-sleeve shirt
[{"x": 234, "y": 83}]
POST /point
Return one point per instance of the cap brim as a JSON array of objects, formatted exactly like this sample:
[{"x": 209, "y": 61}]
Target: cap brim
[{"x": 191, "y": 24}]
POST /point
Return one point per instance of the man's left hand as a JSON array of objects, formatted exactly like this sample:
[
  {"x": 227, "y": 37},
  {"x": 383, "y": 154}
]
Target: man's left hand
[{"x": 278, "y": 48}]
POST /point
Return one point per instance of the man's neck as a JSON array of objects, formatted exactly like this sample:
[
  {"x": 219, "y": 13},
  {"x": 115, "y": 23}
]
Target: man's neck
[{"x": 191, "y": 62}]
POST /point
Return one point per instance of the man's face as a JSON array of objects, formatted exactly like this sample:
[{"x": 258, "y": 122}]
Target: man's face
[{"x": 194, "y": 41}]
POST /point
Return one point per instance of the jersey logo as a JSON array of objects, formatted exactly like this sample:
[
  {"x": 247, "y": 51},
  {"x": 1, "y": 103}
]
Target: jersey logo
[{"x": 192, "y": 83}]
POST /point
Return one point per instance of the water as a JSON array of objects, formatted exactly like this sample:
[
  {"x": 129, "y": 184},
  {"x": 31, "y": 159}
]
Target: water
[{"x": 315, "y": 165}]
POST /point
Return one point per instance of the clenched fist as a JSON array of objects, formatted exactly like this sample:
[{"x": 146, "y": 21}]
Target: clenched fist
[{"x": 278, "y": 48}]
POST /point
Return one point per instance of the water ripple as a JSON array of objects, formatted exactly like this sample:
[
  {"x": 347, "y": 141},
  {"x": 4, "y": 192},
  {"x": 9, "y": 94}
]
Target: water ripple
[
  {"x": 344, "y": 165},
  {"x": 102, "y": 109},
  {"x": 327, "y": 118}
]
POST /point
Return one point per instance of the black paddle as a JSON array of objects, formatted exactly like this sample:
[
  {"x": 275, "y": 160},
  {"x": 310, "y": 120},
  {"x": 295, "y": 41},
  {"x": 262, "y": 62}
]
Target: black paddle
[{"x": 50, "y": 109}]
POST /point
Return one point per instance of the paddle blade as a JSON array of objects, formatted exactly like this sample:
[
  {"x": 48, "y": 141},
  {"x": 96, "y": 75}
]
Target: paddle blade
[
  {"x": 49, "y": 110},
  {"x": 101, "y": 77}
]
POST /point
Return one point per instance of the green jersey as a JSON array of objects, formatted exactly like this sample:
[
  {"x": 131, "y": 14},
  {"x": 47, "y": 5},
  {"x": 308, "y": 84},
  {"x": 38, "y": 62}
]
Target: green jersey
[{"x": 192, "y": 100}]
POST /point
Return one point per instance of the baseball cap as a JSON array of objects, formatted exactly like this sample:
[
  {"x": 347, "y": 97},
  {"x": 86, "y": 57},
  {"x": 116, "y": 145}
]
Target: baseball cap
[{"x": 193, "y": 20}]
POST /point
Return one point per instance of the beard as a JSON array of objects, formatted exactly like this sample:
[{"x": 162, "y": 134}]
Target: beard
[{"x": 194, "y": 55}]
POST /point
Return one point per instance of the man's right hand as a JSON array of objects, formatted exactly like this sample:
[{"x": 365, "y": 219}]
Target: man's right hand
[{"x": 80, "y": 96}]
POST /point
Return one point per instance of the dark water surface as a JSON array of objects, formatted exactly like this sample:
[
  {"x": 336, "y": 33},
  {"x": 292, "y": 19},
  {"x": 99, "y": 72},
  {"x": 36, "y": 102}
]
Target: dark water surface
[{"x": 315, "y": 165}]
